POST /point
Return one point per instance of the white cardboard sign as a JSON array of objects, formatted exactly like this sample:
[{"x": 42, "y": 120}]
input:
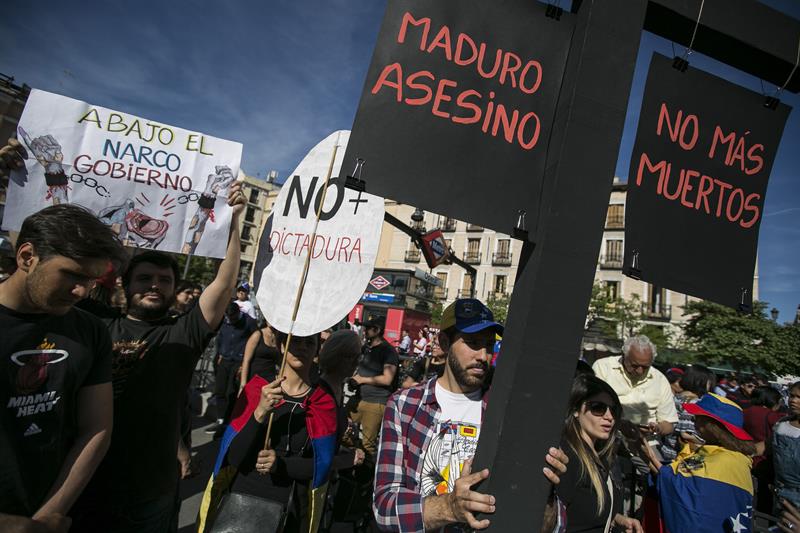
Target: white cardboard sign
[
  {"x": 157, "y": 186},
  {"x": 343, "y": 252}
]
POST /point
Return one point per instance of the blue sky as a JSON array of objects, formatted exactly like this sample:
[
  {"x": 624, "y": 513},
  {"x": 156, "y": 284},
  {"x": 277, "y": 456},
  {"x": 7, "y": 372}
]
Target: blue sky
[{"x": 279, "y": 75}]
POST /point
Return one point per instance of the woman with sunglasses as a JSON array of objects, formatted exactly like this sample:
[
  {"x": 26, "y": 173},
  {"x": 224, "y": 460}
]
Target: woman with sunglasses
[{"x": 591, "y": 492}]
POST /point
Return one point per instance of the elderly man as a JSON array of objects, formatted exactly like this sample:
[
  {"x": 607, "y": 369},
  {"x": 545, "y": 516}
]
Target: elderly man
[{"x": 644, "y": 392}]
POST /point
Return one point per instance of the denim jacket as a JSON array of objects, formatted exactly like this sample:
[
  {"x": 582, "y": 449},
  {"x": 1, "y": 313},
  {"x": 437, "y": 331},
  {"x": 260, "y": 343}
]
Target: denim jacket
[{"x": 786, "y": 452}]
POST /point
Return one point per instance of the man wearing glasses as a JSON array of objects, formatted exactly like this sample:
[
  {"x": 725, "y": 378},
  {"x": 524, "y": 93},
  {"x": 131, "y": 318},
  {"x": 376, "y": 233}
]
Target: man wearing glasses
[{"x": 644, "y": 392}]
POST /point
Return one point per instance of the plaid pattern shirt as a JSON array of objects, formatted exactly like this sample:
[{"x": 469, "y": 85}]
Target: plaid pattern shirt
[{"x": 409, "y": 424}]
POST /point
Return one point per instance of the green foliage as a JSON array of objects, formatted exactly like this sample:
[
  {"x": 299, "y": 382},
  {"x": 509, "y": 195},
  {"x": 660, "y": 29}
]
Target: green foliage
[
  {"x": 746, "y": 341},
  {"x": 436, "y": 314},
  {"x": 660, "y": 336},
  {"x": 201, "y": 269},
  {"x": 623, "y": 317},
  {"x": 499, "y": 308}
]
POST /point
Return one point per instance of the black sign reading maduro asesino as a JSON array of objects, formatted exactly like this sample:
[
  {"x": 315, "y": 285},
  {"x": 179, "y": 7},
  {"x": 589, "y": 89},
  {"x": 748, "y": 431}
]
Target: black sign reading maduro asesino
[
  {"x": 459, "y": 98},
  {"x": 698, "y": 177}
]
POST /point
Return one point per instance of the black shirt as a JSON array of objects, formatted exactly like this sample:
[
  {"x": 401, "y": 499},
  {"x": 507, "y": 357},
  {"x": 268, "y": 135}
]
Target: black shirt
[
  {"x": 370, "y": 365},
  {"x": 44, "y": 360},
  {"x": 266, "y": 360},
  {"x": 576, "y": 492},
  {"x": 152, "y": 368},
  {"x": 419, "y": 373}
]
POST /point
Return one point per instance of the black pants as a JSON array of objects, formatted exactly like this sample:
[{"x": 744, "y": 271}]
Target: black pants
[{"x": 226, "y": 387}]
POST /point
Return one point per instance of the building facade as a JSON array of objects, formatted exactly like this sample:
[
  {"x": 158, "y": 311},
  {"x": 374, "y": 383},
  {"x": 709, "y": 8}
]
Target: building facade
[
  {"x": 496, "y": 256},
  {"x": 12, "y": 102},
  {"x": 493, "y": 255},
  {"x": 261, "y": 195}
]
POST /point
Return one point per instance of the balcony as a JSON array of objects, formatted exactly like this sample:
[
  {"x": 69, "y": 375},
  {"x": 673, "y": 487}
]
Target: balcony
[
  {"x": 656, "y": 312},
  {"x": 497, "y": 295},
  {"x": 449, "y": 224},
  {"x": 412, "y": 256},
  {"x": 440, "y": 293},
  {"x": 465, "y": 293},
  {"x": 615, "y": 222},
  {"x": 613, "y": 261},
  {"x": 501, "y": 259},
  {"x": 472, "y": 258},
  {"x": 474, "y": 227}
]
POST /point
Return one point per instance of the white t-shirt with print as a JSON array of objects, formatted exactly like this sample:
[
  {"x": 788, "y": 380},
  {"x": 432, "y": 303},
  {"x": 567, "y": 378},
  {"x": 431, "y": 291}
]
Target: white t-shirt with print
[{"x": 457, "y": 430}]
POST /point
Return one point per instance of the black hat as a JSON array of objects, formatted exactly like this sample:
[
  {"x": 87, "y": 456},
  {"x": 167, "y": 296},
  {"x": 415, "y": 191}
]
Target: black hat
[{"x": 375, "y": 323}]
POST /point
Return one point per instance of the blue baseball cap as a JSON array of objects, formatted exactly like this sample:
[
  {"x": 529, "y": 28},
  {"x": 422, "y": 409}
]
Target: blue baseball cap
[{"x": 469, "y": 315}]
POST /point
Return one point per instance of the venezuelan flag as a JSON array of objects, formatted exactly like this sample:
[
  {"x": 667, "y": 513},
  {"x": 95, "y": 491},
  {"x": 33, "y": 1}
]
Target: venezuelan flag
[
  {"x": 320, "y": 409},
  {"x": 708, "y": 491}
]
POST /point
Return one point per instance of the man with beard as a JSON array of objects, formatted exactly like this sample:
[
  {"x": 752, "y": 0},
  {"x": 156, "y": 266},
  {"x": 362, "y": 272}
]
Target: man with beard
[
  {"x": 135, "y": 487},
  {"x": 430, "y": 432},
  {"x": 55, "y": 368}
]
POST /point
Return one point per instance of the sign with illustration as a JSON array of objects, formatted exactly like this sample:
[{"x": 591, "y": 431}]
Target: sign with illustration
[{"x": 155, "y": 185}]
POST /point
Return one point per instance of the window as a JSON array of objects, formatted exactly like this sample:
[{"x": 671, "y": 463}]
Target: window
[
  {"x": 502, "y": 257},
  {"x": 656, "y": 298},
  {"x": 466, "y": 287},
  {"x": 244, "y": 248},
  {"x": 614, "y": 250},
  {"x": 250, "y": 214},
  {"x": 500, "y": 284},
  {"x": 616, "y": 216},
  {"x": 504, "y": 247},
  {"x": 253, "y": 196},
  {"x": 246, "y": 232},
  {"x": 442, "y": 279},
  {"x": 473, "y": 253},
  {"x": 612, "y": 290}
]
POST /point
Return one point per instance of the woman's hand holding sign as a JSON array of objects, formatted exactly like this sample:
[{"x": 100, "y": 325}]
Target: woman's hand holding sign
[{"x": 271, "y": 395}]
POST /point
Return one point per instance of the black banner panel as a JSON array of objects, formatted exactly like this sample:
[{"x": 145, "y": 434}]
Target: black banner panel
[
  {"x": 458, "y": 105},
  {"x": 698, "y": 178}
]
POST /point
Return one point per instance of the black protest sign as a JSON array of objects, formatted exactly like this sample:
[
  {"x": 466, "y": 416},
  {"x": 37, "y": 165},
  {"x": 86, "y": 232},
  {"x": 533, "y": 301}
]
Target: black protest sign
[
  {"x": 457, "y": 108},
  {"x": 698, "y": 177}
]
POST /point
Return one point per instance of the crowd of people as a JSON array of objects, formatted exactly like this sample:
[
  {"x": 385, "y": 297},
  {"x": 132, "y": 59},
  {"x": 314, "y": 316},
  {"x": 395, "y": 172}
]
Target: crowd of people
[{"x": 99, "y": 352}]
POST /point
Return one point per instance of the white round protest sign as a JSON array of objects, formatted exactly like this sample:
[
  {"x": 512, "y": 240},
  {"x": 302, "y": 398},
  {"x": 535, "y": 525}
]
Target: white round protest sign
[{"x": 343, "y": 252}]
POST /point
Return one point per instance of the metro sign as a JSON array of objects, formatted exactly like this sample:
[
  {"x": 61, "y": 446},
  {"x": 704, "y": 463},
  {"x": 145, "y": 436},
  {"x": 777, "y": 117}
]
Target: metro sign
[
  {"x": 379, "y": 283},
  {"x": 434, "y": 248}
]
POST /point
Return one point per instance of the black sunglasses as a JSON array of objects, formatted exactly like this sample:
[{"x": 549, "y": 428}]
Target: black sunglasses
[{"x": 599, "y": 408}]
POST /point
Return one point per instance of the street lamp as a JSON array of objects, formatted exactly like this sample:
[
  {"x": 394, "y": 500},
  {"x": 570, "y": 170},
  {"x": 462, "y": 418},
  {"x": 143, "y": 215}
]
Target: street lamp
[
  {"x": 774, "y": 313},
  {"x": 417, "y": 219}
]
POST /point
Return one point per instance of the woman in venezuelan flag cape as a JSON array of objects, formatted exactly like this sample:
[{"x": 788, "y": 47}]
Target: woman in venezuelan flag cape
[
  {"x": 302, "y": 442},
  {"x": 709, "y": 489}
]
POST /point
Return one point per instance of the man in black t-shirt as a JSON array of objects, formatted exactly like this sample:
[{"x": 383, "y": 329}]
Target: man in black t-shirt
[
  {"x": 153, "y": 360},
  {"x": 233, "y": 335},
  {"x": 375, "y": 376},
  {"x": 55, "y": 368}
]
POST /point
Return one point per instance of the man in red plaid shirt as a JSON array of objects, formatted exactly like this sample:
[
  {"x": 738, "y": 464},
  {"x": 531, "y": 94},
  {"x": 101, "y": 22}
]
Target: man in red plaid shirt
[{"x": 429, "y": 435}]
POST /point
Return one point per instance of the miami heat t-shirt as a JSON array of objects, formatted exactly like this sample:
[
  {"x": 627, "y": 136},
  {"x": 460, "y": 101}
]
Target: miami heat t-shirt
[{"x": 44, "y": 362}]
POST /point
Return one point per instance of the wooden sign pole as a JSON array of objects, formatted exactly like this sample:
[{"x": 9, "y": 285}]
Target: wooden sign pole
[{"x": 302, "y": 284}]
